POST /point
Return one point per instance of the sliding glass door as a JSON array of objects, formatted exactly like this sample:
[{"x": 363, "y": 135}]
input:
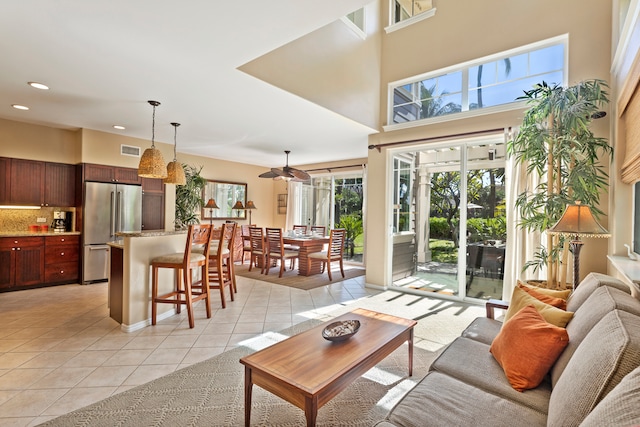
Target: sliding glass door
[{"x": 449, "y": 219}]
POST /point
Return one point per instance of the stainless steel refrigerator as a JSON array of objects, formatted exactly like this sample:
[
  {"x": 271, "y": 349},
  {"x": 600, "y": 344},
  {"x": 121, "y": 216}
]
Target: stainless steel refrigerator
[{"x": 108, "y": 209}]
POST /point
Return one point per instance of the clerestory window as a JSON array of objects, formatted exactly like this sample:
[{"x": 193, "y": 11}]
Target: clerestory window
[{"x": 488, "y": 82}]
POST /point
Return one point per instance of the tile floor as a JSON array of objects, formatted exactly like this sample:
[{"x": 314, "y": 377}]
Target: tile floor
[{"x": 60, "y": 350}]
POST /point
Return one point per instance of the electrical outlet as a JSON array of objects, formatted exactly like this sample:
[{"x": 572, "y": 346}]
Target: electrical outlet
[{"x": 41, "y": 220}]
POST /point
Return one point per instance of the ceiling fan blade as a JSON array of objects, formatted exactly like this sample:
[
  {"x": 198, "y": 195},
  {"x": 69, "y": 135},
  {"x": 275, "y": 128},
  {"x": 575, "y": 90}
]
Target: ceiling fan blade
[
  {"x": 300, "y": 175},
  {"x": 268, "y": 174},
  {"x": 281, "y": 172}
]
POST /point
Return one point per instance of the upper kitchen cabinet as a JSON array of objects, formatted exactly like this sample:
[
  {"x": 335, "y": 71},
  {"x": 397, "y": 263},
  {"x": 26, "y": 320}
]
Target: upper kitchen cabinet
[
  {"x": 152, "y": 204},
  {"x": 104, "y": 173},
  {"x": 5, "y": 176},
  {"x": 37, "y": 183}
]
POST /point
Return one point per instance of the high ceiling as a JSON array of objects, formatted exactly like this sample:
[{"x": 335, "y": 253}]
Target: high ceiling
[{"x": 103, "y": 60}]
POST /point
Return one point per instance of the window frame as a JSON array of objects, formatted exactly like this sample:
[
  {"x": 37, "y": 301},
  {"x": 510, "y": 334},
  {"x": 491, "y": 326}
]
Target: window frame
[
  {"x": 464, "y": 68},
  {"x": 395, "y": 26}
]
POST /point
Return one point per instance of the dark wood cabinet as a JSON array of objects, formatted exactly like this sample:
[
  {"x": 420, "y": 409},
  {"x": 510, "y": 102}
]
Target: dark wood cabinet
[
  {"x": 5, "y": 177},
  {"x": 62, "y": 255},
  {"x": 104, "y": 173},
  {"x": 34, "y": 183},
  {"x": 27, "y": 182},
  {"x": 21, "y": 261},
  {"x": 152, "y": 204}
]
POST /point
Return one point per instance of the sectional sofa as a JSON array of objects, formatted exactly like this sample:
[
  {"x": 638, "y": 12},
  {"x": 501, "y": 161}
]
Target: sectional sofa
[{"x": 595, "y": 380}]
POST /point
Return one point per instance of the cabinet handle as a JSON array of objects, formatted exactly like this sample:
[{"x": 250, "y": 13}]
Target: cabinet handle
[
  {"x": 13, "y": 249},
  {"x": 61, "y": 253},
  {"x": 17, "y": 249},
  {"x": 15, "y": 242},
  {"x": 61, "y": 271},
  {"x": 62, "y": 240}
]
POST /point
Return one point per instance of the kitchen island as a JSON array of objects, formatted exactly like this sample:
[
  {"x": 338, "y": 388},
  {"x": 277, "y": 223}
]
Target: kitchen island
[{"x": 130, "y": 276}]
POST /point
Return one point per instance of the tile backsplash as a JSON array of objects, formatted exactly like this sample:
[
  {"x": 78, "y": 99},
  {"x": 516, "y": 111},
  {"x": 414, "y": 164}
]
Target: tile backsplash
[{"x": 19, "y": 220}]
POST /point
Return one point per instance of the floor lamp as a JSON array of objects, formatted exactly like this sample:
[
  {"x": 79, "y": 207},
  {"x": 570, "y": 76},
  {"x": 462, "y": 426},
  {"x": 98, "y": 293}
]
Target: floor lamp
[
  {"x": 211, "y": 205},
  {"x": 249, "y": 207},
  {"x": 578, "y": 221}
]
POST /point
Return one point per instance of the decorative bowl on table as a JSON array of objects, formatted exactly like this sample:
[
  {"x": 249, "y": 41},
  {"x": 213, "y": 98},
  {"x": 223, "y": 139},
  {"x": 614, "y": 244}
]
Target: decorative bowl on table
[{"x": 340, "y": 331}]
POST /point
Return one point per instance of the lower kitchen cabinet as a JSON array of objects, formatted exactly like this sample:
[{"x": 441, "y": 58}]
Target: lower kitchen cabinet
[
  {"x": 62, "y": 255},
  {"x": 21, "y": 261}
]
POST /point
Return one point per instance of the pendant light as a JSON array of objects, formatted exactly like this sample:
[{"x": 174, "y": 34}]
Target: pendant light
[
  {"x": 175, "y": 172},
  {"x": 152, "y": 163}
]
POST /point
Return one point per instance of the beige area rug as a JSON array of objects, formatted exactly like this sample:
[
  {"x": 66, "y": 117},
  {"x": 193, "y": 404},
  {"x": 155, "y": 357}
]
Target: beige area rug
[
  {"x": 211, "y": 393},
  {"x": 292, "y": 279}
]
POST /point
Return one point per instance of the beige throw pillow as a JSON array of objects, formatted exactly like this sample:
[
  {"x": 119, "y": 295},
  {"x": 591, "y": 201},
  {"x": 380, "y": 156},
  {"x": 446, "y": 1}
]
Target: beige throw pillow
[{"x": 553, "y": 315}]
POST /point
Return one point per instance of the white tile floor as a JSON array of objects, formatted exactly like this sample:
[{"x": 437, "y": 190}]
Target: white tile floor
[{"x": 60, "y": 350}]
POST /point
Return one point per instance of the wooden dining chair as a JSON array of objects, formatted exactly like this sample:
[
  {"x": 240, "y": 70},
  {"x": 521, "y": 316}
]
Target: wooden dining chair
[
  {"x": 319, "y": 229},
  {"x": 333, "y": 253},
  {"x": 246, "y": 241},
  {"x": 221, "y": 272},
  {"x": 194, "y": 257},
  {"x": 277, "y": 251},
  {"x": 258, "y": 252},
  {"x": 300, "y": 228}
]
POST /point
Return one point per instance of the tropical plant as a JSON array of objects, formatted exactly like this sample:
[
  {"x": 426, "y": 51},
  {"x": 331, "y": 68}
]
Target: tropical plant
[
  {"x": 556, "y": 143},
  {"x": 353, "y": 226},
  {"x": 189, "y": 198}
]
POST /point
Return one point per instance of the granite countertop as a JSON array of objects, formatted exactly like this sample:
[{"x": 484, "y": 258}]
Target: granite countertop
[
  {"x": 117, "y": 244},
  {"x": 149, "y": 233},
  {"x": 30, "y": 234}
]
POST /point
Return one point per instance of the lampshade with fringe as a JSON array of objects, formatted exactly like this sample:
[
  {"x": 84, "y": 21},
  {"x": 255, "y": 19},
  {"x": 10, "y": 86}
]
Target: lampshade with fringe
[
  {"x": 152, "y": 163},
  {"x": 175, "y": 171}
]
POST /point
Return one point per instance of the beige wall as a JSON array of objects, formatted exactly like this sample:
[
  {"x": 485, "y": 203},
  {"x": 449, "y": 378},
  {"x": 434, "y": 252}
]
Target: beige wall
[
  {"x": 34, "y": 142},
  {"x": 459, "y": 32}
]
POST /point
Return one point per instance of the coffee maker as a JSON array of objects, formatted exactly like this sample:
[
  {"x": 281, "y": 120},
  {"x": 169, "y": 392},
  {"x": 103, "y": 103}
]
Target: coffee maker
[{"x": 59, "y": 222}]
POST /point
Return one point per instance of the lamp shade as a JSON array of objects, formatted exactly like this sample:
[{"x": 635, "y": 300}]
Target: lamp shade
[
  {"x": 175, "y": 172},
  {"x": 577, "y": 220},
  {"x": 152, "y": 164},
  {"x": 250, "y": 205},
  {"x": 238, "y": 205},
  {"x": 211, "y": 204}
]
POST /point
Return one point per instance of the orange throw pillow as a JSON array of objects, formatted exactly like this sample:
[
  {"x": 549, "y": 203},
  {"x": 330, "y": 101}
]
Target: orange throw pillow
[
  {"x": 556, "y": 302},
  {"x": 526, "y": 348}
]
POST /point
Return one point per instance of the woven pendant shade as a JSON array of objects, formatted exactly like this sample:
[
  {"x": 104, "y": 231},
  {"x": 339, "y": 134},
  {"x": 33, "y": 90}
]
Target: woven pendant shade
[
  {"x": 175, "y": 172},
  {"x": 152, "y": 163}
]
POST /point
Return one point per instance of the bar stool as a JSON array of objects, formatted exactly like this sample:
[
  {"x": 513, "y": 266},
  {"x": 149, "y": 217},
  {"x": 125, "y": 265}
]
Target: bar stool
[
  {"x": 221, "y": 269},
  {"x": 184, "y": 263}
]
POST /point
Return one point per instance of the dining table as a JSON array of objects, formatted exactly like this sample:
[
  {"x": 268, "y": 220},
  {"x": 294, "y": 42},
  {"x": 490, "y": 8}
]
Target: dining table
[{"x": 307, "y": 245}]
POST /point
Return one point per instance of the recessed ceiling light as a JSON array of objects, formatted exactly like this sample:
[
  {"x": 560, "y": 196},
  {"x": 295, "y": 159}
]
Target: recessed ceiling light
[
  {"x": 39, "y": 85},
  {"x": 19, "y": 107},
  {"x": 119, "y": 127}
]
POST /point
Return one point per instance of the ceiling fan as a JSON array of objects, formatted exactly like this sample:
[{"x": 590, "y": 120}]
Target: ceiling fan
[{"x": 286, "y": 173}]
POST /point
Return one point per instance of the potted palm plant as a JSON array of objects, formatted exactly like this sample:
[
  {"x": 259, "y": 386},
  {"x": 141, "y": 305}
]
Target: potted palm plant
[
  {"x": 555, "y": 141},
  {"x": 189, "y": 198}
]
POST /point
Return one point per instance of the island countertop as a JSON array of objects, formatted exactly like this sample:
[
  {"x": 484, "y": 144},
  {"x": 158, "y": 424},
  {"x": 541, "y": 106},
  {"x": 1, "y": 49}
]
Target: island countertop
[{"x": 149, "y": 233}]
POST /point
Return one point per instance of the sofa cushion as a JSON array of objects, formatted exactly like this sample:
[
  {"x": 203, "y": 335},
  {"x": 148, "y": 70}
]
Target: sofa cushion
[
  {"x": 526, "y": 347},
  {"x": 482, "y": 329},
  {"x": 553, "y": 315},
  {"x": 556, "y": 293},
  {"x": 609, "y": 352},
  {"x": 621, "y": 407},
  {"x": 603, "y": 300},
  {"x": 471, "y": 362},
  {"x": 560, "y": 303},
  {"x": 589, "y": 284},
  {"x": 441, "y": 400}
]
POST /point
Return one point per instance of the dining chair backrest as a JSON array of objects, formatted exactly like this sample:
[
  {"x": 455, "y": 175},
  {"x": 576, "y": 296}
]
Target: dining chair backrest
[
  {"x": 318, "y": 229},
  {"x": 336, "y": 243},
  {"x": 257, "y": 238},
  {"x": 245, "y": 230},
  {"x": 229, "y": 235},
  {"x": 300, "y": 228},
  {"x": 275, "y": 244}
]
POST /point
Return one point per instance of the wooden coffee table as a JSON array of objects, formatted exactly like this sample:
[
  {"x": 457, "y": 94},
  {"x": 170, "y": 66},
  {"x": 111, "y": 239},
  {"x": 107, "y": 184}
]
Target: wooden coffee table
[{"x": 308, "y": 371}]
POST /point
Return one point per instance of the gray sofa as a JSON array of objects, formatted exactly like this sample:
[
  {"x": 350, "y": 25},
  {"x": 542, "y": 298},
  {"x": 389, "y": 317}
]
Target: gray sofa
[{"x": 594, "y": 382}]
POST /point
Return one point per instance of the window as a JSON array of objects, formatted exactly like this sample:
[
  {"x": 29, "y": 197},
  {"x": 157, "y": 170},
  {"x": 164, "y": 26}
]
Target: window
[
  {"x": 481, "y": 84},
  {"x": 402, "y": 184},
  {"x": 404, "y": 10},
  {"x": 357, "y": 19}
]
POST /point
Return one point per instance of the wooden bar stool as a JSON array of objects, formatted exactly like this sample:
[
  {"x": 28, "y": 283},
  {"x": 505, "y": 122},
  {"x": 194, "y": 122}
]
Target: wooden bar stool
[
  {"x": 184, "y": 263},
  {"x": 221, "y": 271}
]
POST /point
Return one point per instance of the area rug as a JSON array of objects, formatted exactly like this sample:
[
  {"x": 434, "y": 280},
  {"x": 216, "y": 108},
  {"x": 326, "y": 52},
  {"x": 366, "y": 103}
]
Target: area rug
[
  {"x": 292, "y": 279},
  {"x": 211, "y": 393}
]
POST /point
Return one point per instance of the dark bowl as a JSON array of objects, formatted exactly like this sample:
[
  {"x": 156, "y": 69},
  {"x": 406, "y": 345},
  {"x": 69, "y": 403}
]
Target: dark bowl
[{"x": 340, "y": 331}]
